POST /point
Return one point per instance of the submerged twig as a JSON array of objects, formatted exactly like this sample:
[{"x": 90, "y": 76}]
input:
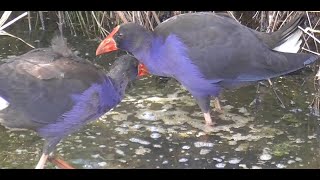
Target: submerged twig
[
  {"x": 42, "y": 20},
  {"x": 29, "y": 21},
  {"x": 60, "y": 23},
  {"x": 279, "y": 99}
]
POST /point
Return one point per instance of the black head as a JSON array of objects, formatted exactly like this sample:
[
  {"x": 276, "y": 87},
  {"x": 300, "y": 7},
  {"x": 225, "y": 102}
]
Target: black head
[{"x": 124, "y": 67}]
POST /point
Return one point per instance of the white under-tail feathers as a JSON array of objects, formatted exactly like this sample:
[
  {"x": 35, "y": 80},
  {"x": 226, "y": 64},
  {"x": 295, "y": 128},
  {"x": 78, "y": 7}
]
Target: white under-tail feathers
[
  {"x": 292, "y": 44},
  {"x": 3, "y": 103}
]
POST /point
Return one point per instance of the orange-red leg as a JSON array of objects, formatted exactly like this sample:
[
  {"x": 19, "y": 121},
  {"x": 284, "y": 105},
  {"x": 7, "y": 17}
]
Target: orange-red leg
[{"x": 60, "y": 163}]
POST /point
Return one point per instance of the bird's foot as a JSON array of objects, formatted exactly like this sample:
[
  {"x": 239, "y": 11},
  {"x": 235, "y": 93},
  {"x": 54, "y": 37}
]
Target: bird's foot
[
  {"x": 208, "y": 120},
  {"x": 217, "y": 106}
]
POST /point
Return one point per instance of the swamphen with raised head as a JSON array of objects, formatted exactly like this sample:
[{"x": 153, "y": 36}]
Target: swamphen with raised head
[
  {"x": 54, "y": 92},
  {"x": 208, "y": 52}
]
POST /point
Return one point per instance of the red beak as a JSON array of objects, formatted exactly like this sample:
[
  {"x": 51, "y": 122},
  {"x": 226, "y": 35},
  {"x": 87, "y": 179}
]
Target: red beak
[
  {"x": 108, "y": 44},
  {"x": 142, "y": 70}
]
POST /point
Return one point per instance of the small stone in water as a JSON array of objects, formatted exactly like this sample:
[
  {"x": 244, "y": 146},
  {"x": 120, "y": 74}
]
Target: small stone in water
[
  {"x": 19, "y": 151},
  {"x": 155, "y": 135},
  {"x": 136, "y": 140},
  {"x": 243, "y": 166},
  {"x": 265, "y": 157},
  {"x": 280, "y": 165},
  {"x": 312, "y": 136},
  {"x": 185, "y": 147},
  {"x": 299, "y": 141},
  {"x": 291, "y": 161},
  {"x": 204, "y": 151},
  {"x": 217, "y": 159},
  {"x": 123, "y": 144},
  {"x": 243, "y": 110},
  {"x": 154, "y": 129},
  {"x": 165, "y": 162},
  {"x": 220, "y": 165},
  {"x": 203, "y": 144},
  {"x": 95, "y": 155},
  {"x": 298, "y": 159},
  {"x": 102, "y": 163},
  {"x": 148, "y": 116},
  {"x": 234, "y": 161},
  {"x": 120, "y": 152},
  {"x": 142, "y": 150},
  {"x": 256, "y": 167},
  {"x": 200, "y": 134},
  {"x": 276, "y": 121},
  {"x": 121, "y": 130},
  {"x": 136, "y": 126},
  {"x": 227, "y": 107},
  {"x": 102, "y": 146},
  {"x": 231, "y": 143},
  {"x": 183, "y": 160},
  {"x": 22, "y": 136},
  {"x": 157, "y": 146},
  {"x": 87, "y": 166}
]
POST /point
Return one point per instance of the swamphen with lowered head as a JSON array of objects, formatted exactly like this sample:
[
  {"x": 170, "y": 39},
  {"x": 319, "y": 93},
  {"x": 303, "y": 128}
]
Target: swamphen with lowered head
[
  {"x": 208, "y": 52},
  {"x": 54, "y": 92}
]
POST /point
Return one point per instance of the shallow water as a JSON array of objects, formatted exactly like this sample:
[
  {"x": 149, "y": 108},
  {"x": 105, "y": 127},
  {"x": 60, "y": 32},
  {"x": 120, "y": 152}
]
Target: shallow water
[{"x": 159, "y": 125}]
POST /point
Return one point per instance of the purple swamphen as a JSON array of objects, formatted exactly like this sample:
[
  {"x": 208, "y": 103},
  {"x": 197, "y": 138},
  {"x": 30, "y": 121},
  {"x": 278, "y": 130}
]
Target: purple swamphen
[
  {"x": 54, "y": 92},
  {"x": 209, "y": 52}
]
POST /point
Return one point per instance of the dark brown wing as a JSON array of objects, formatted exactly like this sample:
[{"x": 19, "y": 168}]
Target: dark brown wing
[{"x": 41, "y": 84}]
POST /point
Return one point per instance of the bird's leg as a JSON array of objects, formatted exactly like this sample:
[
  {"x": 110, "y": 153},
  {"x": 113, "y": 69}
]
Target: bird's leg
[
  {"x": 60, "y": 163},
  {"x": 204, "y": 104},
  {"x": 217, "y": 106},
  {"x": 208, "y": 119},
  {"x": 42, "y": 161},
  {"x": 256, "y": 100}
]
